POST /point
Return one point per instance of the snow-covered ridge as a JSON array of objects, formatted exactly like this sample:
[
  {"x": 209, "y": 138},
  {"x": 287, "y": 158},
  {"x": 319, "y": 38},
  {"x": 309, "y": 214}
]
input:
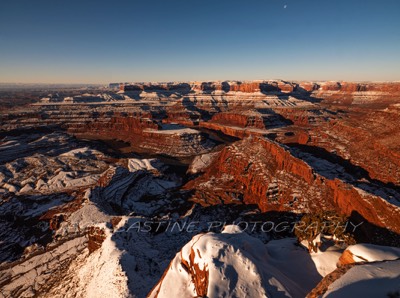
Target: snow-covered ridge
[
  {"x": 373, "y": 253},
  {"x": 234, "y": 264},
  {"x": 369, "y": 280}
]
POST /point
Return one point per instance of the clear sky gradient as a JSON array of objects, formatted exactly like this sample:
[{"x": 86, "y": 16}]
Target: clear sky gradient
[{"x": 183, "y": 40}]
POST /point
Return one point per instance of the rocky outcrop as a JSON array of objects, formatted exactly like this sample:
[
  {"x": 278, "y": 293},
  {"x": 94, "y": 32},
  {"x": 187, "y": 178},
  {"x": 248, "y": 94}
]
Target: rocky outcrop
[
  {"x": 149, "y": 87},
  {"x": 259, "y": 171},
  {"x": 206, "y": 87},
  {"x": 201, "y": 162},
  {"x": 179, "y": 143},
  {"x": 323, "y": 286},
  {"x": 247, "y": 87},
  {"x": 96, "y": 237},
  {"x": 307, "y": 86},
  {"x": 346, "y": 258},
  {"x": 199, "y": 274},
  {"x": 238, "y": 119},
  {"x": 330, "y": 89},
  {"x": 35, "y": 275},
  {"x": 233, "y": 131},
  {"x": 121, "y": 190},
  {"x": 374, "y": 262},
  {"x": 362, "y": 253},
  {"x": 365, "y": 143},
  {"x": 247, "y": 171},
  {"x": 246, "y": 122},
  {"x": 227, "y": 264},
  {"x": 150, "y": 136}
]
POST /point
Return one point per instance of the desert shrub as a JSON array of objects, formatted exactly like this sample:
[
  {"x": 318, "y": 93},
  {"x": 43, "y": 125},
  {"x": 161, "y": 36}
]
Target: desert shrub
[{"x": 326, "y": 224}]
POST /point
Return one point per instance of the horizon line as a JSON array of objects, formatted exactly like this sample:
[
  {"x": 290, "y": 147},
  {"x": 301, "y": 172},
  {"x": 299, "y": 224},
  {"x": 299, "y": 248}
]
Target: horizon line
[{"x": 192, "y": 81}]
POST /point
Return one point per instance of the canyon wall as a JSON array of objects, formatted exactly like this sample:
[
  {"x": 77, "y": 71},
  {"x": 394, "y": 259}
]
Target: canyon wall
[
  {"x": 329, "y": 89},
  {"x": 259, "y": 171}
]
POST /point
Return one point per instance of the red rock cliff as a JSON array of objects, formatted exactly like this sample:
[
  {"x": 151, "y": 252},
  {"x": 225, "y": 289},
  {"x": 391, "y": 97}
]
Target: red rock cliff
[{"x": 259, "y": 171}]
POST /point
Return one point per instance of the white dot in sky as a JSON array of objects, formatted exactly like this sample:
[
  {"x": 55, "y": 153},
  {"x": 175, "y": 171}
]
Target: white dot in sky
[{"x": 285, "y": 6}]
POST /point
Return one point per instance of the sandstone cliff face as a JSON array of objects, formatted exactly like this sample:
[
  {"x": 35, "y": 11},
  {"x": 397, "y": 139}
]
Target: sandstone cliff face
[
  {"x": 329, "y": 90},
  {"x": 239, "y": 119},
  {"x": 331, "y": 86},
  {"x": 246, "y": 122},
  {"x": 262, "y": 172},
  {"x": 257, "y": 171},
  {"x": 236, "y": 132},
  {"x": 148, "y": 135},
  {"x": 371, "y": 141},
  {"x": 245, "y": 87},
  {"x": 171, "y": 87},
  {"x": 366, "y": 137},
  {"x": 348, "y": 92},
  {"x": 308, "y": 86},
  {"x": 210, "y": 86}
]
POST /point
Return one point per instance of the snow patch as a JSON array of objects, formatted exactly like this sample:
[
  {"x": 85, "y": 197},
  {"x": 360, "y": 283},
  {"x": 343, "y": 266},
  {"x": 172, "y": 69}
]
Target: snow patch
[
  {"x": 370, "y": 280},
  {"x": 373, "y": 253}
]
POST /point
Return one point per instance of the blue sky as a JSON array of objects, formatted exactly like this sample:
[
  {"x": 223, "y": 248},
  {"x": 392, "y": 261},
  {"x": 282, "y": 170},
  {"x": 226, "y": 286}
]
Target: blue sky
[{"x": 160, "y": 40}]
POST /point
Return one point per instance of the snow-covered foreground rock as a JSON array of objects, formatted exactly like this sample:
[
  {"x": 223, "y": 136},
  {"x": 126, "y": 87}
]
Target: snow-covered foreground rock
[
  {"x": 370, "y": 253},
  {"x": 119, "y": 261},
  {"x": 234, "y": 264},
  {"x": 96, "y": 274},
  {"x": 364, "y": 270},
  {"x": 371, "y": 280}
]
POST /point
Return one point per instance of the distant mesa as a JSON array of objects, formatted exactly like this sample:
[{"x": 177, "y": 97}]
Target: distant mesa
[{"x": 260, "y": 89}]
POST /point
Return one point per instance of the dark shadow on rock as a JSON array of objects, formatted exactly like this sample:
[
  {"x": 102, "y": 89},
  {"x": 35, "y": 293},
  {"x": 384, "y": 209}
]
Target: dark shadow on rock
[
  {"x": 22, "y": 225},
  {"x": 121, "y": 193},
  {"x": 163, "y": 90},
  {"x": 147, "y": 253},
  {"x": 191, "y": 105},
  {"x": 363, "y": 288},
  {"x": 271, "y": 119},
  {"x": 333, "y": 166},
  {"x": 366, "y": 232},
  {"x": 218, "y": 136},
  {"x": 298, "y": 93},
  {"x": 41, "y": 129},
  {"x": 29, "y": 141}
]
